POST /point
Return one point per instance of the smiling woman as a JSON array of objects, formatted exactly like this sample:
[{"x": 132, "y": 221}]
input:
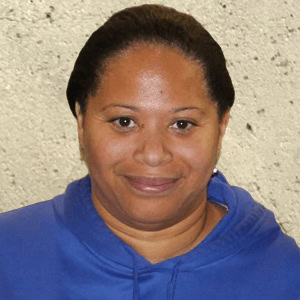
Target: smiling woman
[
  {"x": 153, "y": 219},
  {"x": 150, "y": 138}
]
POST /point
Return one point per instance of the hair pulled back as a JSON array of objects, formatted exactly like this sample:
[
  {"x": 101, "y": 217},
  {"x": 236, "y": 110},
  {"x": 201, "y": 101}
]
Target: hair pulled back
[{"x": 151, "y": 24}]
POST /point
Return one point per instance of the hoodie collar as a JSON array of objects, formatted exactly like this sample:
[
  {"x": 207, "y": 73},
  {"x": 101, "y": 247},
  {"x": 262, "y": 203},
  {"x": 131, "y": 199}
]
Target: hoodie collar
[
  {"x": 244, "y": 219},
  {"x": 83, "y": 220}
]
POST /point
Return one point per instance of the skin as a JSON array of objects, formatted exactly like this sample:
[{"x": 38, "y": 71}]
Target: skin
[{"x": 150, "y": 138}]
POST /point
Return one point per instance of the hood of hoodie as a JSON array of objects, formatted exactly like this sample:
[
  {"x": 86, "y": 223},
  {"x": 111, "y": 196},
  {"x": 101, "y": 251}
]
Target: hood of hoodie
[
  {"x": 245, "y": 218},
  {"x": 246, "y": 222}
]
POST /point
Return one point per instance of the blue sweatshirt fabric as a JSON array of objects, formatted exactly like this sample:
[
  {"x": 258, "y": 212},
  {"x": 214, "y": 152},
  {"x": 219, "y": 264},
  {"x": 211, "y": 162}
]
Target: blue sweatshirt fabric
[{"x": 61, "y": 249}]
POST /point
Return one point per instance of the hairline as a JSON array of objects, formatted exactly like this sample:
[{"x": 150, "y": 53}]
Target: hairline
[{"x": 118, "y": 53}]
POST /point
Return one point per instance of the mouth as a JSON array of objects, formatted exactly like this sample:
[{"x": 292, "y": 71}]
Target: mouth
[{"x": 152, "y": 185}]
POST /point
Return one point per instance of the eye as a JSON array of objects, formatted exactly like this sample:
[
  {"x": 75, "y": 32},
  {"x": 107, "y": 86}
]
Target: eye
[
  {"x": 183, "y": 125},
  {"x": 124, "y": 122}
]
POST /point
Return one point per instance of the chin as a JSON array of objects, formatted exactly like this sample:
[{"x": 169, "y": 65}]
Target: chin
[{"x": 153, "y": 219}]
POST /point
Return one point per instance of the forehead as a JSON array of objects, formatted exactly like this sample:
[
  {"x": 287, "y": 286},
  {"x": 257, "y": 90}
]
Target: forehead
[
  {"x": 146, "y": 55},
  {"x": 153, "y": 72}
]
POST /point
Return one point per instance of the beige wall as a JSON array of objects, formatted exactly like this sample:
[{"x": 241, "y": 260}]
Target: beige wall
[{"x": 40, "y": 40}]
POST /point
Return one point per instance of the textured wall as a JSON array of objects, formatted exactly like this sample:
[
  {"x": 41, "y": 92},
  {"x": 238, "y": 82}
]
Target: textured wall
[{"x": 40, "y": 40}]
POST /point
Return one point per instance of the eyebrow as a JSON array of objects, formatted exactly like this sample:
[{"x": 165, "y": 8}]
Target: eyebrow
[
  {"x": 134, "y": 108},
  {"x": 175, "y": 110}
]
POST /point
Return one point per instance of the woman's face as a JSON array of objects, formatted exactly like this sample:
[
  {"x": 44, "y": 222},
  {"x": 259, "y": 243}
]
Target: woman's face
[{"x": 150, "y": 137}]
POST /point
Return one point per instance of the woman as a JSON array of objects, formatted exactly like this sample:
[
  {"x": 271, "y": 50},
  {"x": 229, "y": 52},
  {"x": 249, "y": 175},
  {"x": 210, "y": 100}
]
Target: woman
[{"x": 153, "y": 219}]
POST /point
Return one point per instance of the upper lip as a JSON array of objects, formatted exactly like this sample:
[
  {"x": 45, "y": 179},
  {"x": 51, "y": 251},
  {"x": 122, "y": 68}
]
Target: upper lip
[{"x": 152, "y": 181}]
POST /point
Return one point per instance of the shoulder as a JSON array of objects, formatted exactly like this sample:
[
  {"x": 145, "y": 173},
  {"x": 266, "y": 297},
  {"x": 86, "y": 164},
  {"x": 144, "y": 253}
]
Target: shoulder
[
  {"x": 39, "y": 221},
  {"x": 30, "y": 215},
  {"x": 21, "y": 227},
  {"x": 274, "y": 261}
]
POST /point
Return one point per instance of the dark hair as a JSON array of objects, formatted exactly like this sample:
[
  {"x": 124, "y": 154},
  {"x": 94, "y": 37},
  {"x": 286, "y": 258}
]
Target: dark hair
[{"x": 151, "y": 24}]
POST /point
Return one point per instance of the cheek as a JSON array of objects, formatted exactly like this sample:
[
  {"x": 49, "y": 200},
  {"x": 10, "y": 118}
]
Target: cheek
[
  {"x": 105, "y": 150},
  {"x": 199, "y": 152}
]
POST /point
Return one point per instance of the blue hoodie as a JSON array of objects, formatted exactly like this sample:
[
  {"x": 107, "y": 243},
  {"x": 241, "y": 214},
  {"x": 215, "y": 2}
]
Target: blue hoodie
[{"x": 61, "y": 249}]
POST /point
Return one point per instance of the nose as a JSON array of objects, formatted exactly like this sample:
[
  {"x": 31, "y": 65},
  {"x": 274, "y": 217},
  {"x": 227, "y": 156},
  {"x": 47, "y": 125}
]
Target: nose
[{"x": 152, "y": 150}]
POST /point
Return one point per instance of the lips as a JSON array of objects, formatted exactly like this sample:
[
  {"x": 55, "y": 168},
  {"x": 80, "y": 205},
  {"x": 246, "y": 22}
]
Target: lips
[{"x": 151, "y": 185}]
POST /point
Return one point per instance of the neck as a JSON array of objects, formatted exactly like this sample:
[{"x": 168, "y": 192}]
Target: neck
[{"x": 160, "y": 245}]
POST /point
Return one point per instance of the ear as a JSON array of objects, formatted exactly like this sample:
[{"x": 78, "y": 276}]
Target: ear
[
  {"x": 80, "y": 128},
  {"x": 222, "y": 128}
]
